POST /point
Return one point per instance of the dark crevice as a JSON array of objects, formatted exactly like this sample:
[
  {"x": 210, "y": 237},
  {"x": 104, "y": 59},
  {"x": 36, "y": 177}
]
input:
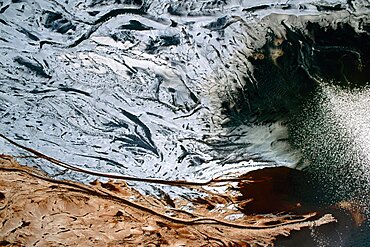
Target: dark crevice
[
  {"x": 135, "y": 25},
  {"x": 33, "y": 66},
  {"x": 115, "y": 12},
  {"x": 74, "y": 90}
]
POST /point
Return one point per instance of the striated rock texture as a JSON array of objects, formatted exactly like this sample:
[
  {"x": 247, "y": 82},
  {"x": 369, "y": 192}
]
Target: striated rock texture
[{"x": 36, "y": 210}]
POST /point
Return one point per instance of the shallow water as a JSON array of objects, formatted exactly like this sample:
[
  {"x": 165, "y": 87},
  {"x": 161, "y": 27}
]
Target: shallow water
[{"x": 138, "y": 89}]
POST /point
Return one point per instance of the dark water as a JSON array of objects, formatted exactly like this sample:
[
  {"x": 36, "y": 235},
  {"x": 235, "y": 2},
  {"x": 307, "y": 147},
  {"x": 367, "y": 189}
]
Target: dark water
[{"x": 190, "y": 89}]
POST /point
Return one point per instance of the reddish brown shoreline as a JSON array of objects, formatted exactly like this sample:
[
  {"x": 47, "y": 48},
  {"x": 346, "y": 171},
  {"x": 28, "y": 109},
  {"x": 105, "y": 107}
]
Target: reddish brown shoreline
[{"x": 37, "y": 210}]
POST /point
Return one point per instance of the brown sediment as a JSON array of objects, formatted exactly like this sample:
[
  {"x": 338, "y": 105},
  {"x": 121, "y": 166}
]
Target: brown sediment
[
  {"x": 355, "y": 210},
  {"x": 37, "y": 210}
]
